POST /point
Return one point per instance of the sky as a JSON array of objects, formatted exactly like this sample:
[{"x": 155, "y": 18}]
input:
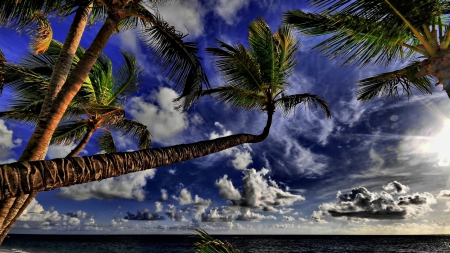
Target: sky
[{"x": 379, "y": 167}]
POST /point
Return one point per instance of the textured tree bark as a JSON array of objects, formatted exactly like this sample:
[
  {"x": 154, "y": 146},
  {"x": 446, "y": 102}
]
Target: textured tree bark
[
  {"x": 81, "y": 144},
  {"x": 39, "y": 141},
  {"x": 10, "y": 207},
  {"x": 30, "y": 177},
  {"x": 439, "y": 67}
]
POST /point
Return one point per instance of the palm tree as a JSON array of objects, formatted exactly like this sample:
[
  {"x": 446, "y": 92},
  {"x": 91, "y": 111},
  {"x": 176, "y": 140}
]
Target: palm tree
[
  {"x": 96, "y": 106},
  {"x": 384, "y": 32},
  {"x": 176, "y": 57},
  {"x": 257, "y": 79}
]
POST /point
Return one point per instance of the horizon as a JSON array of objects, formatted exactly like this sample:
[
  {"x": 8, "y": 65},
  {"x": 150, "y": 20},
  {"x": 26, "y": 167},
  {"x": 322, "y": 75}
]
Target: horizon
[{"x": 296, "y": 179}]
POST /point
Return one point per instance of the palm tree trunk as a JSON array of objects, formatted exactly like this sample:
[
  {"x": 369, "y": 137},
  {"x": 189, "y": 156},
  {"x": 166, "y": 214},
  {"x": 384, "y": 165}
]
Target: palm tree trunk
[
  {"x": 439, "y": 67},
  {"x": 10, "y": 207},
  {"x": 81, "y": 144},
  {"x": 29, "y": 177},
  {"x": 39, "y": 141}
]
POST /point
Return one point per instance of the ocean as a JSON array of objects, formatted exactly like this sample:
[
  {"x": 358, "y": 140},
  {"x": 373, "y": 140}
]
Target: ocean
[{"x": 246, "y": 243}]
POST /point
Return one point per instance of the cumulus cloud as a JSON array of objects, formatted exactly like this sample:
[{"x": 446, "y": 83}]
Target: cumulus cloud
[
  {"x": 229, "y": 9},
  {"x": 7, "y": 142},
  {"x": 444, "y": 194},
  {"x": 242, "y": 160},
  {"x": 363, "y": 204},
  {"x": 129, "y": 186},
  {"x": 62, "y": 151},
  {"x": 164, "y": 195},
  {"x": 144, "y": 215},
  {"x": 258, "y": 192},
  {"x": 247, "y": 215},
  {"x": 288, "y": 218},
  {"x": 185, "y": 197},
  {"x": 186, "y": 14},
  {"x": 214, "y": 215},
  {"x": 173, "y": 213},
  {"x": 36, "y": 213},
  {"x": 397, "y": 188},
  {"x": 158, "y": 207},
  {"x": 158, "y": 112},
  {"x": 78, "y": 214}
]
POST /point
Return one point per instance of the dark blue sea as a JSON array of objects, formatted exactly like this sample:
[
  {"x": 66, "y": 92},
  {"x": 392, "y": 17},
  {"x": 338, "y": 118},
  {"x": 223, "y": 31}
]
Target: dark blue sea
[{"x": 246, "y": 243}]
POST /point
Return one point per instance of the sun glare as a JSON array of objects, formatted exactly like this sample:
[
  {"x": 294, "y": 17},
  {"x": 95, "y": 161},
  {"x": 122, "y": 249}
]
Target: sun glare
[{"x": 440, "y": 144}]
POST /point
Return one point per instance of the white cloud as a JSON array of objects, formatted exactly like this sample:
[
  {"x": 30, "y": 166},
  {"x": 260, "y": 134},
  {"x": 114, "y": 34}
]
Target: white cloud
[
  {"x": 288, "y": 218},
  {"x": 62, "y": 151},
  {"x": 214, "y": 215},
  {"x": 247, "y": 215},
  {"x": 185, "y": 197},
  {"x": 229, "y": 9},
  {"x": 158, "y": 207},
  {"x": 186, "y": 14},
  {"x": 397, "y": 187},
  {"x": 258, "y": 192},
  {"x": 36, "y": 213},
  {"x": 164, "y": 195},
  {"x": 7, "y": 142},
  {"x": 227, "y": 190},
  {"x": 360, "y": 203},
  {"x": 129, "y": 186},
  {"x": 159, "y": 114},
  {"x": 242, "y": 160}
]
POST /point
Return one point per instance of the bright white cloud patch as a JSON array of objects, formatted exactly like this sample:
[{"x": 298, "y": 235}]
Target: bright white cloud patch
[
  {"x": 158, "y": 112},
  {"x": 7, "y": 142},
  {"x": 360, "y": 203},
  {"x": 397, "y": 187},
  {"x": 248, "y": 215},
  {"x": 62, "y": 151},
  {"x": 186, "y": 14},
  {"x": 229, "y": 9},
  {"x": 128, "y": 186},
  {"x": 242, "y": 160},
  {"x": 185, "y": 197},
  {"x": 258, "y": 192}
]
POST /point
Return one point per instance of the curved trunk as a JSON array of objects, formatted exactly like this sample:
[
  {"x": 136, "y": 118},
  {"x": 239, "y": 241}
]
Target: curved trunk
[
  {"x": 48, "y": 121},
  {"x": 29, "y": 177},
  {"x": 10, "y": 207},
  {"x": 82, "y": 143}
]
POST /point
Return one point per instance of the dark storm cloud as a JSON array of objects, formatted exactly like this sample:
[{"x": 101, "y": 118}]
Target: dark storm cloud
[
  {"x": 361, "y": 203},
  {"x": 145, "y": 215}
]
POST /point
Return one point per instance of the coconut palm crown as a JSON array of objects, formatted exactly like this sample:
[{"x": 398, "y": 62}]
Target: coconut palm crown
[
  {"x": 256, "y": 78},
  {"x": 98, "y": 105},
  {"x": 384, "y": 32}
]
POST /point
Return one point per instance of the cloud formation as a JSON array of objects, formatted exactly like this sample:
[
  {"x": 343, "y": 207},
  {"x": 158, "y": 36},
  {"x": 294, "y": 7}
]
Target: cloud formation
[
  {"x": 7, "y": 142},
  {"x": 158, "y": 112},
  {"x": 258, "y": 192},
  {"x": 129, "y": 186},
  {"x": 363, "y": 204},
  {"x": 186, "y": 16},
  {"x": 214, "y": 215},
  {"x": 229, "y": 9},
  {"x": 144, "y": 215},
  {"x": 248, "y": 215},
  {"x": 397, "y": 188}
]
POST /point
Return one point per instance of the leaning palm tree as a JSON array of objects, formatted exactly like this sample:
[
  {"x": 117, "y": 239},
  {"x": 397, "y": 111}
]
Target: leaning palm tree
[
  {"x": 175, "y": 56},
  {"x": 261, "y": 73},
  {"x": 98, "y": 106},
  {"x": 384, "y": 32}
]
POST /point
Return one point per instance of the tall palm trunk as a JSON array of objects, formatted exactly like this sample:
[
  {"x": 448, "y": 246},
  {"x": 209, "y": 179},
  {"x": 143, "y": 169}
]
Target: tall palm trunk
[
  {"x": 10, "y": 208},
  {"x": 439, "y": 67},
  {"x": 48, "y": 121},
  {"x": 82, "y": 143},
  {"x": 28, "y": 177}
]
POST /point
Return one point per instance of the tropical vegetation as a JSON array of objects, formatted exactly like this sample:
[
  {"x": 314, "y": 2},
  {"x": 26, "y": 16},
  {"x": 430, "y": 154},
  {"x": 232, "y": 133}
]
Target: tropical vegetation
[
  {"x": 256, "y": 79},
  {"x": 98, "y": 104},
  {"x": 176, "y": 57},
  {"x": 384, "y": 32},
  {"x": 207, "y": 244}
]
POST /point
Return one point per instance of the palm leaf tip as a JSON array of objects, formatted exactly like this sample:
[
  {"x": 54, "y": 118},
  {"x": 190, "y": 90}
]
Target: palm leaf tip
[
  {"x": 291, "y": 102},
  {"x": 207, "y": 244}
]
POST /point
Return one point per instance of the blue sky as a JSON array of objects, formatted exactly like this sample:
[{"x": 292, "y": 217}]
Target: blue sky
[{"x": 377, "y": 167}]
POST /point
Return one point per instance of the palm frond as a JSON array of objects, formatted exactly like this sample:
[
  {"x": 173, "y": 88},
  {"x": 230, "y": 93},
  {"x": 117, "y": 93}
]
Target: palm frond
[
  {"x": 289, "y": 103},
  {"x": 101, "y": 78},
  {"x": 133, "y": 129},
  {"x": 41, "y": 33},
  {"x": 126, "y": 80},
  {"x": 21, "y": 13},
  {"x": 174, "y": 55},
  {"x": 265, "y": 50},
  {"x": 387, "y": 84},
  {"x": 70, "y": 132},
  {"x": 288, "y": 46},
  {"x": 238, "y": 67},
  {"x": 106, "y": 142},
  {"x": 207, "y": 244},
  {"x": 237, "y": 98},
  {"x": 29, "y": 118},
  {"x": 355, "y": 39}
]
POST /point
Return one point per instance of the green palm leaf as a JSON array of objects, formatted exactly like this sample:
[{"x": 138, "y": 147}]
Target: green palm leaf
[
  {"x": 289, "y": 103},
  {"x": 207, "y": 244},
  {"x": 387, "y": 84},
  {"x": 106, "y": 142},
  {"x": 237, "y": 98},
  {"x": 70, "y": 132},
  {"x": 174, "y": 55},
  {"x": 133, "y": 129}
]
